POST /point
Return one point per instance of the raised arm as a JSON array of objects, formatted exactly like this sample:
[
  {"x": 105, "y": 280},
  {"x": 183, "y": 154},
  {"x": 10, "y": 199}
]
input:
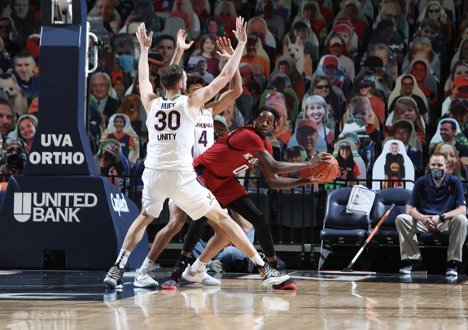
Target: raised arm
[
  {"x": 146, "y": 90},
  {"x": 181, "y": 47},
  {"x": 235, "y": 86},
  {"x": 204, "y": 94},
  {"x": 275, "y": 167}
]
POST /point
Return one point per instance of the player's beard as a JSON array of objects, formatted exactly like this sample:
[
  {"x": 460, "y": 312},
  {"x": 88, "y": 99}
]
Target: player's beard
[{"x": 183, "y": 91}]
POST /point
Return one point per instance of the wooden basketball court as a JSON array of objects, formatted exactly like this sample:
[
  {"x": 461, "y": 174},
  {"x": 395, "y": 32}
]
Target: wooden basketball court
[{"x": 79, "y": 300}]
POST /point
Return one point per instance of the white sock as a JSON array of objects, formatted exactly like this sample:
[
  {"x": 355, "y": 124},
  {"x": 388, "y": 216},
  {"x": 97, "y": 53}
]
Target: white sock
[
  {"x": 122, "y": 258},
  {"x": 257, "y": 260},
  {"x": 198, "y": 266},
  {"x": 146, "y": 266}
]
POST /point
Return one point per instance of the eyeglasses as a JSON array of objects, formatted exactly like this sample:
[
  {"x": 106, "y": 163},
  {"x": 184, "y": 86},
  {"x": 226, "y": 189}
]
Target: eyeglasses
[
  {"x": 433, "y": 11},
  {"x": 5, "y": 27},
  {"x": 407, "y": 85},
  {"x": 98, "y": 85},
  {"x": 322, "y": 86},
  {"x": 344, "y": 145}
]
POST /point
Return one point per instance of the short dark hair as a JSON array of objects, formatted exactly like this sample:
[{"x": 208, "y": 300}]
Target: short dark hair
[
  {"x": 452, "y": 124},
  {"x": 23, "y": 54},
  {"x": 420, "y": 62},
  {"x": 165, "y": 36},
  {"x": 407, "y": 76},
  {"x": 300, "y": 26},
  {"x": 283, "y": 62},
  {"x": 278, "y": 82},
  {"x": 432, "y": 23},
  {"x": 171, "y": 75},
  {"x": 439, "y": 154},
  {"x": 122, "y": 39},
  {"x": 269, "y": 109},
  {"x": 194, "y": 79}
]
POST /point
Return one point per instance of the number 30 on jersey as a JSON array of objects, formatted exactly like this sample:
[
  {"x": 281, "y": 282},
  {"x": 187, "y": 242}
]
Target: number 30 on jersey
[{"x": 171, "y": 120}]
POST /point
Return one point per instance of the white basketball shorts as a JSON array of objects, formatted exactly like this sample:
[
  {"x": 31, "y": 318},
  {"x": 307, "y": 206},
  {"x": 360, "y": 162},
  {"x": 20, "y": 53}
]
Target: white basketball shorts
[{"x": 183, "y": 188}]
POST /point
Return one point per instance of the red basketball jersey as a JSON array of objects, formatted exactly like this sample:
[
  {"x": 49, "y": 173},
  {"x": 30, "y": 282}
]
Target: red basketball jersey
[{"x": 233, "y": 153}]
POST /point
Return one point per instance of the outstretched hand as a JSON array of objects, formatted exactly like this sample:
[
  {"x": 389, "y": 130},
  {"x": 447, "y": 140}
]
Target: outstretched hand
[
  {"x": 181, "y": 36},
  {"x": 144, "y": 39},
  {"x": 241, "y": 30},
  {"x": 224, "y": 44}
]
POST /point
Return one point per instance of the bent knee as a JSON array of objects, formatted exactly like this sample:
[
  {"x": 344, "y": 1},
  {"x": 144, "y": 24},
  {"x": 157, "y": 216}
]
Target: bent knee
[
  {"x": 400, "y": 219},
  {"x": 222, "y": 235},
  {"x": 461, "y": 219},
  {"x": 174, "y": 226}
]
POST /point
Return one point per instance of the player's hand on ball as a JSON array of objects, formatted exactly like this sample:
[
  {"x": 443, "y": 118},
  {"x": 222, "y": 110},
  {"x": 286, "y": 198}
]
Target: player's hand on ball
[{"x": 321, "y": 157}]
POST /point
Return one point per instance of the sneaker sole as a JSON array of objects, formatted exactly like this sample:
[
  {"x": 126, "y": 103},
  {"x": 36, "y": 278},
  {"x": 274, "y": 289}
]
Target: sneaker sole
[
  {"x": 143, "y": 285},
  {"x": 197, "y": 280},
  {"x": 169, "y": 287},
  {"x": 288, "y": 286},
  {"x": 217, "y": 283},
  {"x": 112, "y": 284},
  {"x": 275, "y": 280}
]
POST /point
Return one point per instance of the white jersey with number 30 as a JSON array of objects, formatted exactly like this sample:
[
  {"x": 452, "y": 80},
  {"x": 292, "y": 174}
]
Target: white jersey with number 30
[
  {"x": 204, "y": 133},
  {"x": 171, "y": 135}
]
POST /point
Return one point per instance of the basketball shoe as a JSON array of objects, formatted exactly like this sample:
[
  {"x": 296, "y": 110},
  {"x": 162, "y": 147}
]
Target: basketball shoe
[
  {"x": 144, "y": 280},
  {"x": 271, "y": 276},
  {"x": 202, "y": 277},
  {"x": 113, "y": 278},
  {"x": 172, "y": 281},
  {"x": 286, "y": 285}
]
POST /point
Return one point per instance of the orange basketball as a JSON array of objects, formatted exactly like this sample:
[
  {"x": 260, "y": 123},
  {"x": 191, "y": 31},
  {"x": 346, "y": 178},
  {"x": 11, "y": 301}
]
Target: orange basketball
[{"x": 325, "y": 172}]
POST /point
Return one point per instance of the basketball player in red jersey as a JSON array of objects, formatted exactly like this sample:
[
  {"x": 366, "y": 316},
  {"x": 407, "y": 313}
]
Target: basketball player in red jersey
[{"x": 217, "y": 167}]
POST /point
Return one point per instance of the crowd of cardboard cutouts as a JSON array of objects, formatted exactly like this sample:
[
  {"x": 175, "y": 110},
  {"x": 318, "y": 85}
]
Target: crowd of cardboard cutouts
[{"x": 373, "y": 82}]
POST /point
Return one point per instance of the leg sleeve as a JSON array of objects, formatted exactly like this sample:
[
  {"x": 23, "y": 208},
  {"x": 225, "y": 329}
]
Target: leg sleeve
[
  {"x": 194, "y": 233},
  {"x": 246, "y": 208}
]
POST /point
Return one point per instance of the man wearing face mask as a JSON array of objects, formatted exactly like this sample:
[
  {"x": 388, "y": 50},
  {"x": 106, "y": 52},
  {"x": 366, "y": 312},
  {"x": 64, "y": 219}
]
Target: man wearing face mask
[
  {"x": 124, "y": 47},
  {"x": 437, "y": 205}
]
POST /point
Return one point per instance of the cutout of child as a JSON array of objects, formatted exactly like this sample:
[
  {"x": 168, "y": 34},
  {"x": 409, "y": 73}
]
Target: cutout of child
[
  {"x": 360, "y": 108},
  {"x": 207, "y": 49},
  {"x": 394, "y": 168},
  {"x": 201, "y": 71},
  {"x": 349, "y": 170}
]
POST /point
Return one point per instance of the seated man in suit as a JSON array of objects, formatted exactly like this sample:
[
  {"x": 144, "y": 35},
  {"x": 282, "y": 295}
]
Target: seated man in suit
[
  {"x": 437, "y": 205},
  {"x": 100, "y": 86}
]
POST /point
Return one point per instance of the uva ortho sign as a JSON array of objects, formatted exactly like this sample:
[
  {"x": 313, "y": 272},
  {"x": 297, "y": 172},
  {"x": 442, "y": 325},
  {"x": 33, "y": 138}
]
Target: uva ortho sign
[
  {"x": 56, "y": 157},
  {"x": 55, "y": 207}
]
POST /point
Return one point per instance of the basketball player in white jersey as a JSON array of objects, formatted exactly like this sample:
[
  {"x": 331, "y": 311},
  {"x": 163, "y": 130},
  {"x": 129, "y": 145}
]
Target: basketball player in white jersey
[
  {"x": 204, "y": 138},
  {"x": 168, "y": 167}
]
